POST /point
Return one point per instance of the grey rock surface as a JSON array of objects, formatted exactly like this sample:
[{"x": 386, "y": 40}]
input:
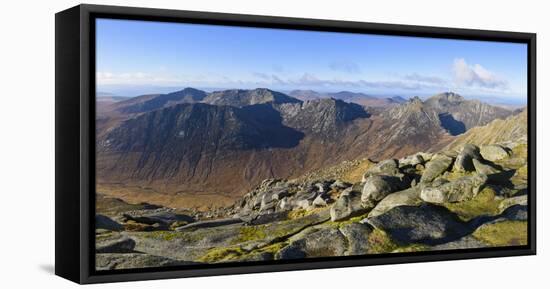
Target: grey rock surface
[
  {"x": 425, "y": 224},
  {"x": 435, "y": 167}
]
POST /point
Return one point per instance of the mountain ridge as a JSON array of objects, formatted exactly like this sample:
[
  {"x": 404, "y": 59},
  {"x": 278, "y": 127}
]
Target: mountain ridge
[
  {"x": 244, "y": 97},
  {"x": 229, "y": 145}
]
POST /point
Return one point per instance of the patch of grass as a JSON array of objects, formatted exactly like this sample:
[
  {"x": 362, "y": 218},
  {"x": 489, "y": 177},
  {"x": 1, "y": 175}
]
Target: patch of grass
[
  {"x": 380, "y": 242},
  {"x": 355, "y": 174},
  {"x": 484, "y": 203},
  {"x": 507, "y": 233},
  {"x": 250, "y": 233}
]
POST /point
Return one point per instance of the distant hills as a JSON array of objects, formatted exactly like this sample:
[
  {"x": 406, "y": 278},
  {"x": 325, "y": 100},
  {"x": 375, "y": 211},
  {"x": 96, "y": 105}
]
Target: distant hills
[
  {"x": 449, "y": 111},
  {"x": 347, "y": 96},
  {"x": 219, "y": 145},
  {"x": 155, "y": 101}
]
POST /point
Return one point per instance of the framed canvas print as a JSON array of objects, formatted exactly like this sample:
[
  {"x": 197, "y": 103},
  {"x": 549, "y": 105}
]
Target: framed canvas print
[{"x": 193, "y": 144}]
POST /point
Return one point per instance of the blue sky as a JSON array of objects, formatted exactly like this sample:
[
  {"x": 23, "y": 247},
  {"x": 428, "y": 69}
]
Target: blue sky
[{"x": 136, "y": 57}]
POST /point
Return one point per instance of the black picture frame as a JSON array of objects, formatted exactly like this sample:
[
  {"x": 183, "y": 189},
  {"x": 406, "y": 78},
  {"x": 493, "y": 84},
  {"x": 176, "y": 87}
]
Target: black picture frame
[{"x": 75, "y": 141}]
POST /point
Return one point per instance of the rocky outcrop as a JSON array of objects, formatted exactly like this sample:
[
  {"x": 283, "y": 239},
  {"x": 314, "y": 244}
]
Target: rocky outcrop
[
  {"x": 494, "y": 152},
  {"x": 462, "y": 189},
  {"x": 408, "y": 197},
  {"x": 386, "y": 168},
  {"x": 114, "y": 243},
  {"x": 106, "y": 261},
  {"x": 348, "y": 205},
  {"x": 209, "y": 224},
  {"x": 426, "y": 224},
  {"x": 508, "y": 202},
  {"x": 425, "y": 201},
  {"x": 484, "y": 168},
  {"x": 464, "y": 160},
  {"x": 315, "y": 242},
  {"x": 164, "y": 218},
  {"x": 377, "y": 187},
  {"x": 106, "y": 223},
  {"x": 435, "y": 167}
]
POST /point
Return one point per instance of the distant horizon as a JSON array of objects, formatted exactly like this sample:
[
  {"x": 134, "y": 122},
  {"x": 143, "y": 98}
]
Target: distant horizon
[
  {"x": 143, "y": 57},
  {"x": 165, "y": 90}
]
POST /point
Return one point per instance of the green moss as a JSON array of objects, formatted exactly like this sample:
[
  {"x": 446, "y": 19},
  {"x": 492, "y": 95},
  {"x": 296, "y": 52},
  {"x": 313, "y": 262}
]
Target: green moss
[
  {"x": 296, "y": 214},
  {"x": 300, "y": 213},
  {"x": 236, "y": 253},
  {"x": 520, "y": 151},
  {"x": 177, "y": 224},
  {"x": 484, "y": 203},
  {"x": 454, "y": 175},
  {"x": 291, "y": 226},
  {"x": 136, "y": 227},
  {"x": 273, "y": 248},
  {"x": 412, "y": 248},
  {"x": 517, "y": 159},
  {"x": 380, "y": 242},
  {"x": 165, "y": 235},
  {"x": 104, "y": 236},
  {"x": 222, "y": 254},
  {"x": 340, "y": 224},
  {"x": 250, "y": 233},
  {"x": 508, "y": 233},
  {"x": 521, "y": 172},
  {"x": 284, "y": 228}
]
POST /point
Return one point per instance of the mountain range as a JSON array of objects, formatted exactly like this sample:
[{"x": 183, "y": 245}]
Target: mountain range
[
  {"x": 210, "y": 148},
  {"x": 348, "y": 96}
]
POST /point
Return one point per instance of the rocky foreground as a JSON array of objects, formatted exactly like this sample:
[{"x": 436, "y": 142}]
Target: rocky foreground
[{"x": 467, "y": 197}]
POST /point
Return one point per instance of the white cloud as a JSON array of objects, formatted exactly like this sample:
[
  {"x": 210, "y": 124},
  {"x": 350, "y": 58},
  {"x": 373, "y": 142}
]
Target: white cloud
[
  {"x": 416, "y": 77},
  {"x": 133, "y": 78},
  {"x": 309, "y": 80},
  {"x": 476, "y": 76}
]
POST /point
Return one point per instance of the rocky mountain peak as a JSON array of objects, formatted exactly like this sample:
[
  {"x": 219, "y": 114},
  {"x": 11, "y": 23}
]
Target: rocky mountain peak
[
  {"x": 322, "y": 115},
  {"x": 415, "y": 99},
  {"x": 449, "y": 111},
  {"x": 446, "y": 98},
  {"x": 244, "y": 97}
]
